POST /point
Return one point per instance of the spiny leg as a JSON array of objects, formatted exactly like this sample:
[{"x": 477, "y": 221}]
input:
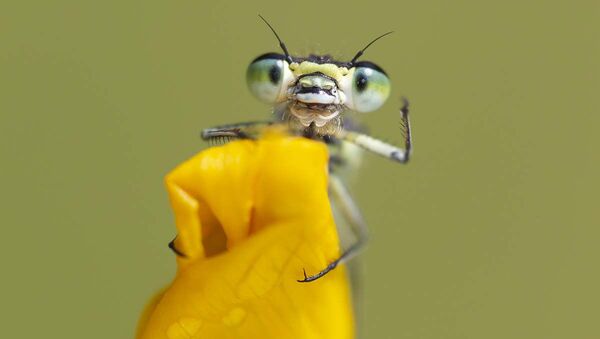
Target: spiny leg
[
  {"x": 382, "y": 148},
  {"x": 243, "y": 130},
  {"x": 351, "y": 213}
]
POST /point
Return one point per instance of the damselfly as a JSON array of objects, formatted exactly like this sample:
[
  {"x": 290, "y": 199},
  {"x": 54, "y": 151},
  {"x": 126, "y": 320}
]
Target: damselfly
[{"x": 310, "y": 97}]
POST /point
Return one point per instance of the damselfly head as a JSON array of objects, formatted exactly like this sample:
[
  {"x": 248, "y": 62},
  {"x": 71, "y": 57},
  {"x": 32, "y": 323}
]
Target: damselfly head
[{"x": 317, "y": 89}]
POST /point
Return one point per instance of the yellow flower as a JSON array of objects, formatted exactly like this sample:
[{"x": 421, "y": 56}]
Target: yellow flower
[{"x": 251, "y": 215}]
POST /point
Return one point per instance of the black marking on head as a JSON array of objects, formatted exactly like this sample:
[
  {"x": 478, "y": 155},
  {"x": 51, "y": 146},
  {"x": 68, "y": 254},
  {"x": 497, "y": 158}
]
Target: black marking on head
[
  {"x": 271, "y": 55},
  {"x": 319, "y": 74},
  {"x": 370, "y": 65},
  {"x": 314, "y": 90},
  {"x": 320, "y": 59}
]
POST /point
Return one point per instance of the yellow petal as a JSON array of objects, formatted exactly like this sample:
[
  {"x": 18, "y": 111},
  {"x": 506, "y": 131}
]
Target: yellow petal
[{"x": 251, "y": 215}]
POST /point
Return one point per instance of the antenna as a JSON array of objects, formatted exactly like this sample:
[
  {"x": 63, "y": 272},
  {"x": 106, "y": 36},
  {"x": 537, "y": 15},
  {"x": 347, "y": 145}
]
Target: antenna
[
  {"x": 367, "y": 46},
  {"x": 288, "y": 58}
]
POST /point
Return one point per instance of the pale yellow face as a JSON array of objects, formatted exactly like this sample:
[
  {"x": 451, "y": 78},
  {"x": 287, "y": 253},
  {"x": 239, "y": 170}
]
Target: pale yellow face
[{"x": 306, "y": 67}]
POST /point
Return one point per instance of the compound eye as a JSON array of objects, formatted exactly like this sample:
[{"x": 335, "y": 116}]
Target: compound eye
[
  {"x": 266, "y": 76},
  {"x": 370, "y": 89}
]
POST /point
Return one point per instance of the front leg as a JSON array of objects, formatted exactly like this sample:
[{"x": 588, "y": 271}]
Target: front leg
[
  {"x": 382, "y": 148},
  {"x": 243, "y": 130}
]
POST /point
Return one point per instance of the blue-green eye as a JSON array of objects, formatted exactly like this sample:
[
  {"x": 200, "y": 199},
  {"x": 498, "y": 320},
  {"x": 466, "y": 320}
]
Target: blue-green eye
[
  {"x": 266, "y": 76},
  {"x": 370, "y": 88}
]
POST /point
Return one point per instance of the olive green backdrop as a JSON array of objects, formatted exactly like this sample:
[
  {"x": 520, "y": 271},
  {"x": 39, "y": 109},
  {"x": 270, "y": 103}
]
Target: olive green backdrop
[{"x": 491, "y": 232}]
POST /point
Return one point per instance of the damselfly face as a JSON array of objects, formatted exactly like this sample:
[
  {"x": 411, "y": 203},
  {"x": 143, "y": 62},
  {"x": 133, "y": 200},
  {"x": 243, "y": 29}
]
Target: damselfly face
[
  {"x": 317, "y": 89},
  {"x": 314, "y": 91}
]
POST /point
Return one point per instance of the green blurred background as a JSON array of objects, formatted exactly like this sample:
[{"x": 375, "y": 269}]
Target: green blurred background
[{"x": 491, "y": 232}]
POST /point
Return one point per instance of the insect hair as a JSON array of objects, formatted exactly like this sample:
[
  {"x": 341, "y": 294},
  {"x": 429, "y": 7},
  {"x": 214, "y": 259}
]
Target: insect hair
[{"x": 219, "y": 140}]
